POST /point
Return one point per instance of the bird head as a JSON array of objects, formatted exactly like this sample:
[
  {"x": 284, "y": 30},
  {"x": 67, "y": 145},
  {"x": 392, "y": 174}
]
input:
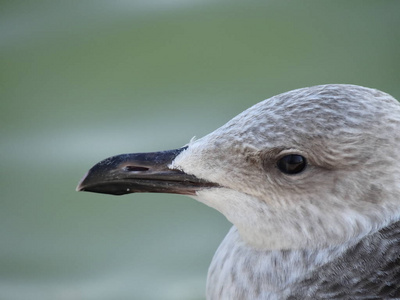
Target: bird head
[{"x": 309, "y": 168}]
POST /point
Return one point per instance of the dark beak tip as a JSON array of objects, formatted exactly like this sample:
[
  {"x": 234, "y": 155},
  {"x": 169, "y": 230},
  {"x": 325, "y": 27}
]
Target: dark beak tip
[{"x": 80, "y": 187}]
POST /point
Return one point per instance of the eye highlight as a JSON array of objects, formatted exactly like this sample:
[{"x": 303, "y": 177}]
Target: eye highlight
[{"x": 292, "y": 164}]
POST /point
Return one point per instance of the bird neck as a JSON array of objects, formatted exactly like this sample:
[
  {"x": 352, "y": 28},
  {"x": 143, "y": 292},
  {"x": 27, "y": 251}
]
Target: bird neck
[{"x": 249, "y": 271}]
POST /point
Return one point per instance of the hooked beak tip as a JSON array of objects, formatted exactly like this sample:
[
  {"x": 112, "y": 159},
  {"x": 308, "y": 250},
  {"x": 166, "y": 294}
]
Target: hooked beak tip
[{"x": 80, "y": 186}]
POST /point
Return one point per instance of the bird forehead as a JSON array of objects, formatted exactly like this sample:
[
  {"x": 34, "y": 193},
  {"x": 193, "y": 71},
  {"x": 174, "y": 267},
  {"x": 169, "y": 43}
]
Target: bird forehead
[
  {"x": 335, "y": 113},
  {"x": 339, "y": 125},
  {"x": 309, "y": 107}
]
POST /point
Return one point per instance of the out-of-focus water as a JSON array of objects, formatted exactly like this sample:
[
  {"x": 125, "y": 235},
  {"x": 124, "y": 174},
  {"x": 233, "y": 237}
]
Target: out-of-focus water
[{"x": 81, "y": 81}]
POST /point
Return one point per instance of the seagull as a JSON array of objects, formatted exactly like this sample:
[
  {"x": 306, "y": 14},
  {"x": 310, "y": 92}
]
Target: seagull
[{"x": 310, "y": 180}]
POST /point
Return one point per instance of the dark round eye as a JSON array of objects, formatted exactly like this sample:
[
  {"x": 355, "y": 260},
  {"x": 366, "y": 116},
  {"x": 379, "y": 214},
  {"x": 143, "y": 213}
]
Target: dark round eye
[{"x": 292, "y": 164}]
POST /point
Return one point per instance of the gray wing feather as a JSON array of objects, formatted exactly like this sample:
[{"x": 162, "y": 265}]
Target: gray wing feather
[{"x": 369, "y": 270}]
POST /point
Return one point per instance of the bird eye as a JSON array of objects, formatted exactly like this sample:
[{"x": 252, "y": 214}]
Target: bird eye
[{"x": 292, "y": 164}]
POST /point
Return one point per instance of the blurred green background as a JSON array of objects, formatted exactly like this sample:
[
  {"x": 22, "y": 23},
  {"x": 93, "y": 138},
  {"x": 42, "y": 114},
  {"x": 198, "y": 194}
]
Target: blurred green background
[{"x": 84, "y": 80}]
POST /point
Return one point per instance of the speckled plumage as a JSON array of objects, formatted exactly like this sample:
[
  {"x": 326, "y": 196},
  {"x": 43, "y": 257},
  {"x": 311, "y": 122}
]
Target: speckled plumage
[
  {"x": 330, "y": 232},
  {"x": 366, "y": 269}
]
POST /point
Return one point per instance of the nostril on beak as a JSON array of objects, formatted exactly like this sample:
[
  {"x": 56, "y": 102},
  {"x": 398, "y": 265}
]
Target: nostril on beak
[{"x": 135, "y": 169}]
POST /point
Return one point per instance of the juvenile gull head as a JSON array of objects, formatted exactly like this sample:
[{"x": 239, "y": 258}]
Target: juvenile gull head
[{"x": 305, "y": 177}]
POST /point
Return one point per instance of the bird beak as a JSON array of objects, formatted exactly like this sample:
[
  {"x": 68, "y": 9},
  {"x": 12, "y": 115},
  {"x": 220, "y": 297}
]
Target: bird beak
[{"x": 140, "y": 173}]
